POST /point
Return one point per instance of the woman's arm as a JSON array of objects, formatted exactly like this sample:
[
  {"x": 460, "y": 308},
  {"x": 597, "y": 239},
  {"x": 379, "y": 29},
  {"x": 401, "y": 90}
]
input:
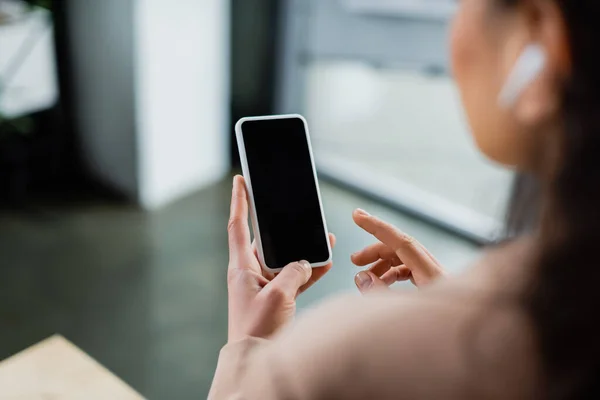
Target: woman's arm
[{"x": 380, "y": 346}]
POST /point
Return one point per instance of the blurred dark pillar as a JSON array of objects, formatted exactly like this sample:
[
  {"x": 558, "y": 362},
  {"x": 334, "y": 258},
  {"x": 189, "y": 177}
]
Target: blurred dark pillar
[
  {"x": 64, "y": 71},
  {"x": 254, "y": 43}
]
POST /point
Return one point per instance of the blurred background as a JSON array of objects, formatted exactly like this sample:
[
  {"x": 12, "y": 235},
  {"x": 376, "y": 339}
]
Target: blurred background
[{"x": 116, "y": 157}]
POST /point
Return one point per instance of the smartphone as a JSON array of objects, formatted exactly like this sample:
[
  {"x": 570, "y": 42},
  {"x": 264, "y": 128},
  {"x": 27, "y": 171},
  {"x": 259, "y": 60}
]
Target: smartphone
[{"x": 285, "y": 201}]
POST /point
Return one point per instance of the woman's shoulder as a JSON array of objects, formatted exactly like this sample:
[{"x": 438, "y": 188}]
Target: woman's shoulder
[{"x": 466, "y": 334}]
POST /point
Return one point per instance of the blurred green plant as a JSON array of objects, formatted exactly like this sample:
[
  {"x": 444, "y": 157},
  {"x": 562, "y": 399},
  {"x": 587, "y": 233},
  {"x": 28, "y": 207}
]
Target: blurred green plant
[{"x": 11, "y": 128}]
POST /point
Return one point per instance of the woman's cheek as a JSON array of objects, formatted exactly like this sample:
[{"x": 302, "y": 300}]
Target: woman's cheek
[
  {"x": 457, "y": 50},
  {"x": 462, "y": 58},
  {"x": 471, "y": 56}
]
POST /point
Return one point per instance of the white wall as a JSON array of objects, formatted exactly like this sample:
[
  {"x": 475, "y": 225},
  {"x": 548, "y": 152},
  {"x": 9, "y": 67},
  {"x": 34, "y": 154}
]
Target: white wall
[
  {"x": 182, "y": 85},
  {"x": 151, "y": 81}
]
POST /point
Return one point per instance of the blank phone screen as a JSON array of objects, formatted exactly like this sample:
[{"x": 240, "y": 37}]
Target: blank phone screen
[{"x": 285, "y": 192}]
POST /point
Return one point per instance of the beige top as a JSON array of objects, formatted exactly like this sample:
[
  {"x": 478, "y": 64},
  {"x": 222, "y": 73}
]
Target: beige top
[{"x": 461, "y": 338}]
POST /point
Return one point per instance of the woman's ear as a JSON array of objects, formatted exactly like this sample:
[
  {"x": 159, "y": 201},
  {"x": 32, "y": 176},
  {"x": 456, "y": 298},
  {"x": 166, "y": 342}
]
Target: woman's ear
[
  {"x": 554, "y": 36},
  {"x": 532, "y": 88}
]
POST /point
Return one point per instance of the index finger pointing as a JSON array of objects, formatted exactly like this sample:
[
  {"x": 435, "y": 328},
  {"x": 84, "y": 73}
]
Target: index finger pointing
[
  {"x": 386, "y": 233},
  {"x": 238, "y": 229},
  {"x": 409, "y": 251}
]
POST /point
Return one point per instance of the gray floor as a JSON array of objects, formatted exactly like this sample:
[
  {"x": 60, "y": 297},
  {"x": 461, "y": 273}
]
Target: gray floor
[{"x": 145, "y": 294}]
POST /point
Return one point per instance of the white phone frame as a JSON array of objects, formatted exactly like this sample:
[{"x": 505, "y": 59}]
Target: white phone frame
[{"x": 247, "y": 177}]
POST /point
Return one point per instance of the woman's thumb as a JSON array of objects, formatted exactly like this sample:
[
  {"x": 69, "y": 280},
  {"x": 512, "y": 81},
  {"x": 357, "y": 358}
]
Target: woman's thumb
[
  {"x": 367, "y": 281},
  {"x": 292, "y": 277}
]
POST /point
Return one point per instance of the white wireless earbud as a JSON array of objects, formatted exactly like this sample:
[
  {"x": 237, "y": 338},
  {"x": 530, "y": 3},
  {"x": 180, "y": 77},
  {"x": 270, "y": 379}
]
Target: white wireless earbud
[{"x": 528, "y": 67}]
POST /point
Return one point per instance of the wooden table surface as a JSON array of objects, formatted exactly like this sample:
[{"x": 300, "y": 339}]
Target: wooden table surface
[{"x": 55, "y": 369}]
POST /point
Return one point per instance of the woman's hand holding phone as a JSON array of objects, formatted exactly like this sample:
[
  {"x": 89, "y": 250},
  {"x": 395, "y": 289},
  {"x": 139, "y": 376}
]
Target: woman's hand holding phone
[
  {"x": 259, "y": 303},
  {"x": 395, "y": 257}
]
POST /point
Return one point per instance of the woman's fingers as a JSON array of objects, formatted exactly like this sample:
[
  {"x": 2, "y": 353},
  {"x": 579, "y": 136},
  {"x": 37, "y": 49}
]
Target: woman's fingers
[
  {"x": 372, "y": 253},
  {"x": 287, "y": 283},
  {"x": 411, "y": 252},
  {"x": 332, "y": 240},
  {"x": 366, "y": 281},
  {"x": 382, "y": 266},
  {"x": 240, "y": 249},
  {"x": 396, "y": 274},
  {"x": 387, "y": 234}
]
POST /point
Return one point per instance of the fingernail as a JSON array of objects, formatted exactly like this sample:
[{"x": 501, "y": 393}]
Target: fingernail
[
  {"x": 363, "y": 280},
  {"x": 305, "y": 264},
  {"x": 362, "y": 212}
]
